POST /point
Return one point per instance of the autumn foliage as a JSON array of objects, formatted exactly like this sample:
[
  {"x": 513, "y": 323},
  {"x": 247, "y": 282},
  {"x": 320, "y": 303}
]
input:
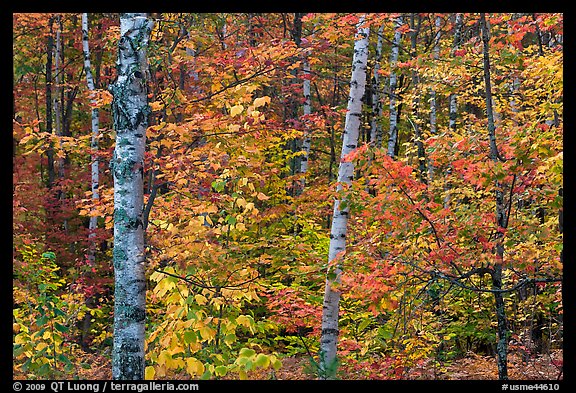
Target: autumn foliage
[{"x": 236, "y": 242}]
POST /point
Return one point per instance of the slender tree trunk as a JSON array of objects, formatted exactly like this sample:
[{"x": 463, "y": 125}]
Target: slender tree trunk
[
  {"x": 376, "y": 126},
  {"x": 418, "y": 137},
  {"x": 393, "y": 133},
  {"x": 95, "y": 178},
  {"x": 130, "y": 112},
  {"x": 252, "y": 26},
  {"x": 307, "y": 110},
  {"x": 452, "y": 105},
  {"x": 453, "y": 100},
  {"x": 50, "y": 150},
  {"x": 329, "y": 338},
  {"x": 501, "y": 217},
  {"x": 58, "y": 93},
  {"x": 298, "y": 185},
  {"x": 433, "y": 104},
  {"x": 57, "y": 97},
  {"x": 95, "y": 174},
  {"x": 436, "y": 53}
]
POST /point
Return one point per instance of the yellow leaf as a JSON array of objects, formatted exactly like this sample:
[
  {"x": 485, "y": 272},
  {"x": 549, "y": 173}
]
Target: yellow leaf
[
  {"x": 261, "y": 101},
  {"x": 243, "y": 320},
  {"x": 164, "y": 357},
  {"x": 156, "y": 105},
  {"x": 194, "y": 366},
  {"x": 241, "y": 202},
  {"x": 207, "y": 333},
  {"x": 236, "y": 110},
  {"x": 262, "y": 197},
  {"x": 201, "y": 300},
  {"x": 149, "y": 373},
  {"x": 207, "y": 219}
]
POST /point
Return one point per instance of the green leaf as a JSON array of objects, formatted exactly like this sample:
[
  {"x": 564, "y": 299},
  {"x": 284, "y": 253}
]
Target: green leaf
[
  {"x": 221, "y": 370},
  {"x": 276, "y": 364},
  {"x": 247, "y": 352},
  {"x": 384, "y": 333},
  {"x": 262, "y": 360},
  {"x": 364, "y": 324},
  {"x": 189, "y": 337},
  {"x": 61, "y": 328},
  {"x": 61, "y": 357},
  {"x": 41, "y": 321},
  {"x": 218, "y": 186},
  {"x": 49, "y": 255}
]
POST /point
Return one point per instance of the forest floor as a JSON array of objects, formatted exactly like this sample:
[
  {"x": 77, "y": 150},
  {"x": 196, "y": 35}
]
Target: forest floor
[{"x": 471, "y": 367}]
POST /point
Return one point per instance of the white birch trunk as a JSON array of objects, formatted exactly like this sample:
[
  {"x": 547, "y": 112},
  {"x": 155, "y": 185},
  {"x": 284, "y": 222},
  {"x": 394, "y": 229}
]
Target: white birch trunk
[
  {"x": 436, "y": 53},
  {"x": 329, "y": 338},
  {"x": 376, "y": 127},
  {"x": 393, "y": 134},
  {"x": 452, "y": 104},
  {"x": 433, "y": 105},
  {"x": 307, "y": 111},
  {"x": 130, "y": 112},
  {"x": 453, "y": 101},
  {"x": 57, "y": 95},
  {"x": 95, "y": 175}
]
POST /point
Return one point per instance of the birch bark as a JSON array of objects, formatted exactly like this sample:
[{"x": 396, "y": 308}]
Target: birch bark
[
  {"x": 329, "y": 338},
  {"x": 376, "y": 127},
  {"x": 95, "y": 175},
  {"x": 436, "y": 54},
  {"x": 453, "y": 100},
  {"x": 393, "y": 134},
  {"x": 130, "y": 113}
]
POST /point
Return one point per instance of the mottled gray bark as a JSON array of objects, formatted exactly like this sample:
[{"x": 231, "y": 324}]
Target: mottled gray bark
[
  {"x": 376, "y": 126},
  {"x": 93, "y": 224},
  {"x": 50, "y": 150},
  {"x": 418, "y": 137},
  {"x": 95, "y": 175},
  {"x": 501, "y": 217},
  {"x": 435, "y": 55},
  {"x": 130, "y": 113},
  {"x": 393, "y": 133},
  {"x": 329, "y": 338},
  {"x": 306, "y": 141},
  {"x": 453, "y": 101},
  {"x": 302, "y": 161}
]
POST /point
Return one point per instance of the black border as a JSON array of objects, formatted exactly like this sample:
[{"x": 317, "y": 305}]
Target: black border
[{"x": 326, "y": 6}]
